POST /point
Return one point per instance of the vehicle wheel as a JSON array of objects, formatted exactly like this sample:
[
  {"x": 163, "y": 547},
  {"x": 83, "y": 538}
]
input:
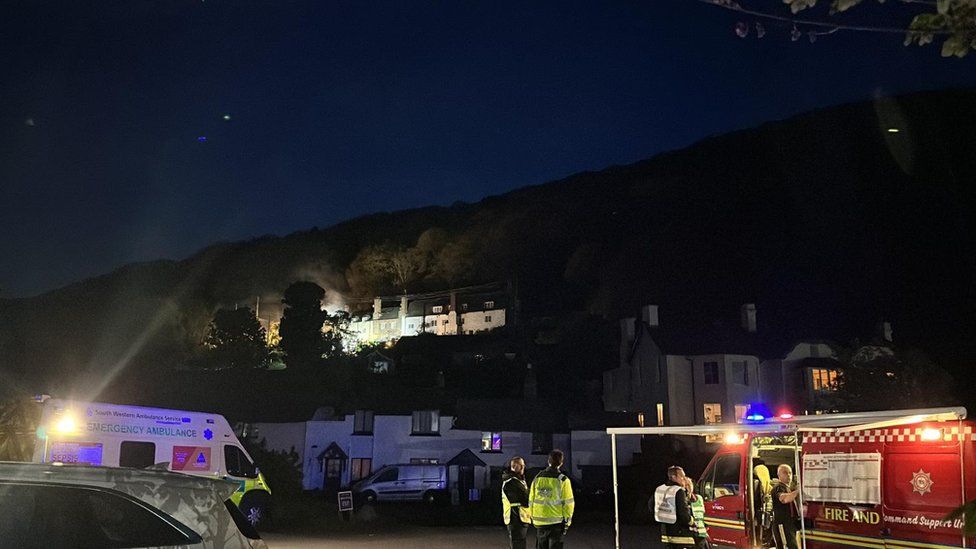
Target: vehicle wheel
[
  {"x": 257, "y": 510},
  {"x": 370, "y": 496}
]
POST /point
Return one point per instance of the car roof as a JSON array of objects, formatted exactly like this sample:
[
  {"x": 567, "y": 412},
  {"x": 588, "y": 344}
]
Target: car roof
[
  {"x": 112, "y": 477},
  {"x": 195, "y": 501}
]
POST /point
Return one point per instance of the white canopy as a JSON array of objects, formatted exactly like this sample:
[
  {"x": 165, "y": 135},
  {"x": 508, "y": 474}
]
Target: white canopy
[{"x": 835, "y": 423}]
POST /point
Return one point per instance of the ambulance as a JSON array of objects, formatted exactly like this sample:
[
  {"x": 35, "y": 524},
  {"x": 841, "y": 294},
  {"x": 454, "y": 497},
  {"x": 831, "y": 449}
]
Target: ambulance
[
  {"x": 112, "y": 435},
  {"x": 878, "y": 480}
]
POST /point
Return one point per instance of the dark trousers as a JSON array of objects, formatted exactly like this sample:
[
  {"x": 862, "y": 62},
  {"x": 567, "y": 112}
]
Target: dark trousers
[
  {"x": 785, "y": 535},
  {"x": 702, "y": 543},
  {"x": 549, "y": 537},
  {"x": 516, "y": 535}
]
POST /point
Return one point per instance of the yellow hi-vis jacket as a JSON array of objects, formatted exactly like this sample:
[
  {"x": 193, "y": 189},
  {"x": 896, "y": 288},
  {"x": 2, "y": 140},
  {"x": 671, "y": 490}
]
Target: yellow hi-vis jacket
[
  {"x": 551, "y": 499},
  {"x": 509, "y": 504}
]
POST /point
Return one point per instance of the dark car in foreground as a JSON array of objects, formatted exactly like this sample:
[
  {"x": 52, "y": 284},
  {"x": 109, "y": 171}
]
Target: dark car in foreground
[{"x": 80, "y": 507}]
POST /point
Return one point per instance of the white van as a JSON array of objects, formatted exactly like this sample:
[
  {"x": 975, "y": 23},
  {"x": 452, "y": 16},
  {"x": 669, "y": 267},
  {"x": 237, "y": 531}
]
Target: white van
[
  {"x": 113, "y": 435},
  {"x": 404, "y": 482}
]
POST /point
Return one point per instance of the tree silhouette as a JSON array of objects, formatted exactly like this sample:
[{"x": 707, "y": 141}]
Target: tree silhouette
[
  {"x": 301, "y": 325},
  {"x": 236, "y": 340}
]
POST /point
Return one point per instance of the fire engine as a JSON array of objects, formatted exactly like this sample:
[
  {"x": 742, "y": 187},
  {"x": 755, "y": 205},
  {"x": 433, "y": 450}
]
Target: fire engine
[{"x": 878, "y": 480}]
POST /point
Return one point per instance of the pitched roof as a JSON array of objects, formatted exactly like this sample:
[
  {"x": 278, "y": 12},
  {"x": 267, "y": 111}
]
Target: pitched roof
[{"x": 466, "y": 458}]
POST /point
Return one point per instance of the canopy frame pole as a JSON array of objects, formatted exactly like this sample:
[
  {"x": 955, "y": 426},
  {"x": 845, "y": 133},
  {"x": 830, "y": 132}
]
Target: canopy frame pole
[
  {"x": 962, "y": 475},
  {"x": 799, "y": 487},
  {"x": 616, "y": 510}
]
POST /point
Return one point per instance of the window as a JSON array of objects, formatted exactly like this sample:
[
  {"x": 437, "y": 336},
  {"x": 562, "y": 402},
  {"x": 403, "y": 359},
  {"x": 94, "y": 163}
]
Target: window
[
  {"x": 426, "y": 422},
  {"x": 491, "y": 442},
  {"x": 712, "y": 412},
  {"x": 424, "y": 461},
  {"x": 487, "y": 318},
  {"x": 333, "y": 468},
  {"x": 437, "y": 309},
  {"x": 741, "y": 411},
  {"x": 360, "y": 468},
  {"x": 76, "y": 452},
  {"x": 237, "y": 464},
  {"x": 464, "y": 306},
  {"x": 137, "y": 454},
  {"x": 824, "y": 379},
  {"x": 388, "y": 475},
  {"x": 541, "y": 443},
  {"x": 363, "y": 422},
  {"x": 381, "y": 367},
  {"x": 726, "y": 481},
  {"x": 489, "y": 305},
  {"x": 83, "y": 517},
  {"x": 740, "y": 372},
  {"x": 711, "y": 373},
  {"x": 660, "y": 414},
  {"x": 410, "y": 326},
  {"x": 444, "y": 323}
]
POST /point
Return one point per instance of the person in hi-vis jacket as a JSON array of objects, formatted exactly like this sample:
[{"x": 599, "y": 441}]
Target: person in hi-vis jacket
[
  {"x": 551, "y": 504},
  {"x": 672, "y": 511},
  {"x": 515, "y": 503}
]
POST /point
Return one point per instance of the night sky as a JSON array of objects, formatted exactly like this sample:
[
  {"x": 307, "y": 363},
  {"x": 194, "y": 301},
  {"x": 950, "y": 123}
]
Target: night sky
[{"x": 115, "y": 147}]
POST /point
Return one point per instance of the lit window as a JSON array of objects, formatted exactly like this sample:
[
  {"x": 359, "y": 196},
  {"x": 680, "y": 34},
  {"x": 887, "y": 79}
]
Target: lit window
[
  {"x": 360, "y": 468},
  {"x": 491, "y": 442},
  {"x": 464, "y": 306},
  {"x": 741, "y": 411},
  {"x": 437, "y": 309},
  {"x": 489, "y": 305},
  {"x": 824, "y": 379},
  {"x": 713, "y": 413},
  {"x": 660, "y": 414}
]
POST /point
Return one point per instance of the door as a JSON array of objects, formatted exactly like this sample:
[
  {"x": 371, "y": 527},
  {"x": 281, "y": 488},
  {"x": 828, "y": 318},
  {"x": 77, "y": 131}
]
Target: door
[
  {"x": 333, "y": 474},
  {"x": 921, "y": 485},
  {"x": 387, "y": 485},
  {"x": 411, "y": 481},
  {"x": 721, "y": 486}
]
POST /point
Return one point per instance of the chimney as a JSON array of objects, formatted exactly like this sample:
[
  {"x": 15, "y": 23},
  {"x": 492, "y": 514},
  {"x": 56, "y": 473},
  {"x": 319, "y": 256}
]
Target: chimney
[
  {"x": 529, "y": 387},
  {"x": 748, "y": 311},
  {"x": 377, "y": 308},
  {"x": 884, "y": 330},
  {"x": 627, "y": 329},
  {"x": 649, "y": 315},
  {"x": 403, "y": 307}
]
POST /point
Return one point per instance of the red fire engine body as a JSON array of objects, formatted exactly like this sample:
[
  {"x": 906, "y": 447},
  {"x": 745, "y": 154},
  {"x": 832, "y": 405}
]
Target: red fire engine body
[{"x": 885, "y": 484}]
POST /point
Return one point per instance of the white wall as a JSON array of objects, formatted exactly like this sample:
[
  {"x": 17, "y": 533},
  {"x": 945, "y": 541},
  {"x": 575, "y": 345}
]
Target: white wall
[
  {"x": 392, "y": 442},
  {"x": 474, "y": 321}
]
